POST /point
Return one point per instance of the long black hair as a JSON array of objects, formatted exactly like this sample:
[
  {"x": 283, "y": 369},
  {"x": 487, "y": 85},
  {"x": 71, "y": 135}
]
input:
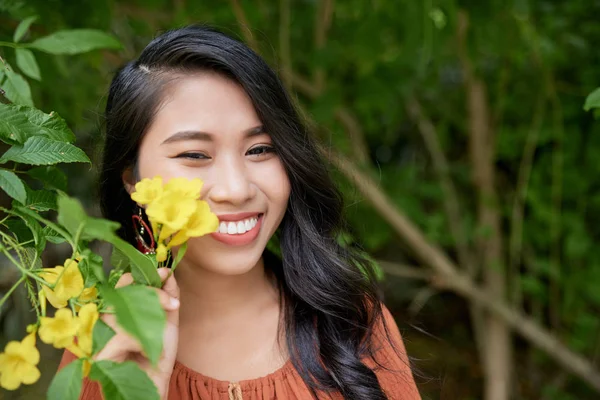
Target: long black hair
[{"x": 329, "y": 294}]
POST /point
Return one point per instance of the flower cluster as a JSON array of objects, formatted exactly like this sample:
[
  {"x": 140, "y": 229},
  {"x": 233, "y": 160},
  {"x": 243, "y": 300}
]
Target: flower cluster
[
  {"x": 176, "y": 214},
  {"x": 70, "y": 328},
  {"x": 175, "y": 211}
]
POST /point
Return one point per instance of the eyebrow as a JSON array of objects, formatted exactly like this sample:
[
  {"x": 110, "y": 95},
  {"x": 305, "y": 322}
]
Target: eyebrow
[{"x": 207, "y": 136}]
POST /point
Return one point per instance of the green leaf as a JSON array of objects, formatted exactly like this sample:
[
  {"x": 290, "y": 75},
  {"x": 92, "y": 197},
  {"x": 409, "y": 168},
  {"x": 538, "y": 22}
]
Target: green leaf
[
  {"x": 51, "y": 176},
  {"x": 75, "y": 41},
  {"x": 27, "y": 63},
  {"x": 71, "y": 214},
  {"x": 67, "y": 383},
  {"x": 23, "y": 28},
  {"x": 43, "y": 151},
  {"x": 12, "y": 185},
  {"x": 20, "y": 230},
  {"x": 16, "y": 88},
  {"x": 91, "y": 267},
  {"x": 118, "y": 260},
  {"x": 143, "y": 268},
  {"x": 123, "y": 381},
  {"x": 40, "y": 200},
  {"x": 139, "y": 312},
  {"x": 22, "y": 122},
  {"x": 593, "y": 100},
  {"x": 52, "y": 236},
  {"x": 101, "y": 335},
  {"x": 180, "y": 253}
]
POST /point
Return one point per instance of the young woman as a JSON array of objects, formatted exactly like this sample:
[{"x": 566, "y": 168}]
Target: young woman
[{"x": 242, "y": 323}]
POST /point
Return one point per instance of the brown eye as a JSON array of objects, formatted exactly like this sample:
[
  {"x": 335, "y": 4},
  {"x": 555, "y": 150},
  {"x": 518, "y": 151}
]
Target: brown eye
[
  {"x": 193, "y": 156},
  {"x": 260, "y": 150}
]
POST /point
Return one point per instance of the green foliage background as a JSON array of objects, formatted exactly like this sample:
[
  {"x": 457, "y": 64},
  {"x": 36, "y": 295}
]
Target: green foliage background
[{"x": 537, "y": 62}]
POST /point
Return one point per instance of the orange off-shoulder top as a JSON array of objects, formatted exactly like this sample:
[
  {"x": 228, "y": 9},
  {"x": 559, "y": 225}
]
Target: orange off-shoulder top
[{"x": 286, "y": 384}]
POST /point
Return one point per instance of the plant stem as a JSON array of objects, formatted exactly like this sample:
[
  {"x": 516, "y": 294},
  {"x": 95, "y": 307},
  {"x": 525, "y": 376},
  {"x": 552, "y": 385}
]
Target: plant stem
[
  {"x": 9, "y": 44},
  {"x": 12, "y": 289}
]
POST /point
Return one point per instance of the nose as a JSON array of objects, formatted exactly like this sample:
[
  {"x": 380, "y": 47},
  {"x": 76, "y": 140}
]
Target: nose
[{"x": 230, "y": 184}]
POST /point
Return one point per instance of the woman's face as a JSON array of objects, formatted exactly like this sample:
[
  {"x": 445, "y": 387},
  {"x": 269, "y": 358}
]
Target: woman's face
[{"x": 207, "y": 128}]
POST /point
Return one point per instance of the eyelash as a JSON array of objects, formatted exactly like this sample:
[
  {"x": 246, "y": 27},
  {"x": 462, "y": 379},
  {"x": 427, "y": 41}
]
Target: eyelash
[{"x": 201, "y": 156}]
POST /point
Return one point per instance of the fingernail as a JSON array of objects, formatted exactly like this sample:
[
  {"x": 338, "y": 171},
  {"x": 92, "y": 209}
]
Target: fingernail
[{"x": 174, "y": 302}]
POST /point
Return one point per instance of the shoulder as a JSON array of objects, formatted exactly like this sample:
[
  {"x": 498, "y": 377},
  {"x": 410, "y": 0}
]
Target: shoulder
[{"x": 389, "y": 359}]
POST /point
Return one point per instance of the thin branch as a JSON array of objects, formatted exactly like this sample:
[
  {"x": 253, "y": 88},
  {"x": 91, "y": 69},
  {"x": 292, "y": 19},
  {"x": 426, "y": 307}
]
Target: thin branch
[
  {"x": 442, "y": 169},
  {"x": 516, "y": 235},
  {"x": 405, "y": 271},
  {"x": 240, "y": 16},
  {"x": 450, "y": 277}
]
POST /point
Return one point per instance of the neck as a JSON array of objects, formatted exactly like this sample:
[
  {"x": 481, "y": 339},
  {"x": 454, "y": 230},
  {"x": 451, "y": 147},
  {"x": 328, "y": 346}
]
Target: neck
[{"x": 210, "y": 295}]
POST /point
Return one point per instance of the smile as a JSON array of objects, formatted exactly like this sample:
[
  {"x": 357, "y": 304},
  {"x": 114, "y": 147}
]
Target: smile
[
  {"x": 239, "y": 227},
  {"x": 238, "y": 230}
]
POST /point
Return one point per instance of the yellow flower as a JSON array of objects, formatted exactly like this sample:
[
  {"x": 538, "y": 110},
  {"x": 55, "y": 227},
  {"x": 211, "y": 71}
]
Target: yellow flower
[
  {"x": 18, "y": 363},
  {"x": 87, "y": 295},
  {"x": 171, "y": 211},
  {"x": 201, "y": 222},
  {"x": 185, "y": 188},
  {"x": 60, "y": 330},
  {"x": 67, "y": 285},
  {"x": 161, "y": 253},
  {"x": 88, "y": 315},
  {"x": 147, "y": 190}
]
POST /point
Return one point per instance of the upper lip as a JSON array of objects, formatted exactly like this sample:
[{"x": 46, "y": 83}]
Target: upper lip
[{"x": 237, "y": 216}]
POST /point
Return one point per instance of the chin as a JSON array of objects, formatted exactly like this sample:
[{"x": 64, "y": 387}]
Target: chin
[{"x": 224, "y": 260}]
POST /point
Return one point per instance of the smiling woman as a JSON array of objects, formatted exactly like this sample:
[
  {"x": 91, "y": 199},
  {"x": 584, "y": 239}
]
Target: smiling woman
[{"x": 198, "y": 104}]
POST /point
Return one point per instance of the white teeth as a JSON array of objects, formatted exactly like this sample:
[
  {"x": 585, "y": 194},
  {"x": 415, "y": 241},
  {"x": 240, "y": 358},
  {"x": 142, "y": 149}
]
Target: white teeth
[
  {"x": 239, "y": 227},
  {"x": 223, "y": 227},
  {"x": 231, "y": 228}
]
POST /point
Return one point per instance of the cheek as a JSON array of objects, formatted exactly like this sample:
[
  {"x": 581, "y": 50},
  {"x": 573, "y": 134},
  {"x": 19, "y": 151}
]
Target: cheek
[{"x": 274, "y": 183}]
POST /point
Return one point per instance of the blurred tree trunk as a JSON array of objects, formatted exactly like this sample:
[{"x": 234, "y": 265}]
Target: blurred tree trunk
[{"x": 497, "y": 351}]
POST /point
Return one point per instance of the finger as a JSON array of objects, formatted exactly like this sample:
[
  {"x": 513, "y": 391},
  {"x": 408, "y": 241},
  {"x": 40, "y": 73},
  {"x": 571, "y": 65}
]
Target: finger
[
  {"x": 170, "y": 286},
  {"x": 124, "y": 280},
  {"x": 118, "y": 348},
  {"x": 167, "y": 302}
]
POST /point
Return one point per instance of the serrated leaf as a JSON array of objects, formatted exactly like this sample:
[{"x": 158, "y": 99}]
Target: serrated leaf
[
  {"x": 20, "y": 230},
  {"x": 33, "y": 225},
  {"x": 52, "y": 236},
  {"x": 143, "y": 268},
  {"x": 27, "y": 63},
  {"x": 23, "y": 27},
  {"x": 12, "y": 185},
  {"x": 139, "y": 312},
  {"x": 51, "y": 176},
  {"x": 101, "y": 335},
  {"x": 40, "y": 200},
  {"x": 75, "y": 41},
  {"x": 43, "y": 151},
  {"x": 67, "y": 383},
  {"x": 592, "y": 100},
  {"x": 22, "y": 122},
  {"x": 123, "y": 381},
  {"x": 16, "y": 88}
]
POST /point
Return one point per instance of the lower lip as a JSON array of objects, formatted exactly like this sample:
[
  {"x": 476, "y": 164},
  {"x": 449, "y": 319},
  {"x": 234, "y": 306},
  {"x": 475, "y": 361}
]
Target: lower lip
[{"x": 239, "y": 239}]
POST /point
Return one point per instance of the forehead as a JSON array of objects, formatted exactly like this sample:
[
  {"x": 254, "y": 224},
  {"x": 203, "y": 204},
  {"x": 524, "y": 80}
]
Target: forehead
[{"x": 203, "y": 102}]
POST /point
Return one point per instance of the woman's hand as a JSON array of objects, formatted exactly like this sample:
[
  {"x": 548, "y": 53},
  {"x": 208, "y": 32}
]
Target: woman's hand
[{"x": 123, "y": 347}]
